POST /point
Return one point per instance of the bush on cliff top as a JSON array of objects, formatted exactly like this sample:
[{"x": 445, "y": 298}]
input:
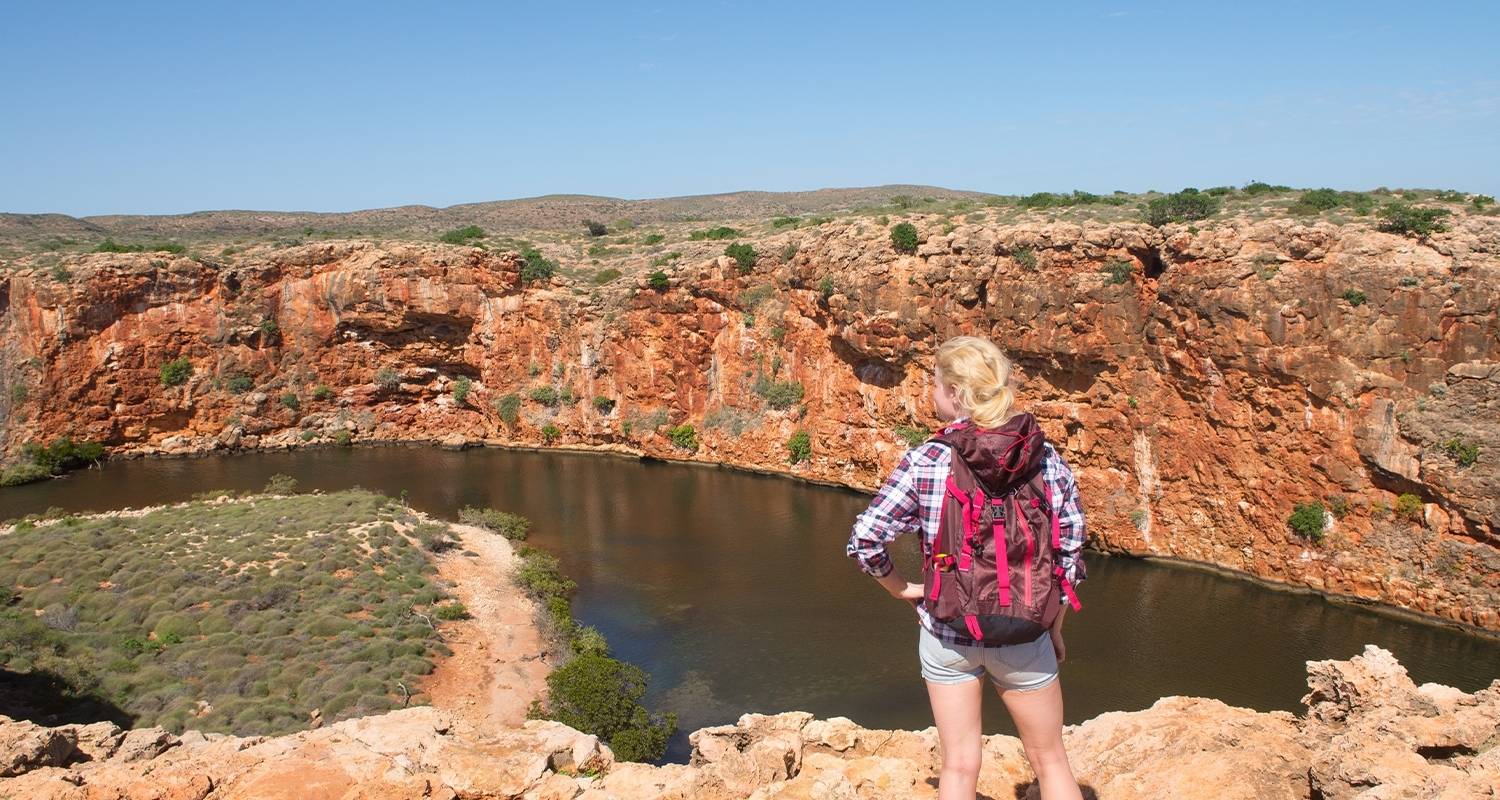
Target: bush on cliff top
[
  {"x": 1407, "y": 219},
  {"x": 904, "y": 238},
  {"x": 601, "y": 695},
  {"x": 535, "y": 266},
  {"x": 462, "y": 235},
  {"x": 743, "y": 254},
  {"x": 1188, "y": 204}
]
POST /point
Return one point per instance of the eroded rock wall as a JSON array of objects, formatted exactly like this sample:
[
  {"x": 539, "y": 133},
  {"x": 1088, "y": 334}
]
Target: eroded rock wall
[{"x": 1231, "y": 373}]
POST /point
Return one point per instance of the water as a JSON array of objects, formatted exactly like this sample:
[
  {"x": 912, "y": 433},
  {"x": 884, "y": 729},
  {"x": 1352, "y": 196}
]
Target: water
[{"x": 732, "y": 589}]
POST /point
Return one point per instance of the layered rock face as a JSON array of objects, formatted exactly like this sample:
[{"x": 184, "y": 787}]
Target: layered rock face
[
  {"x": 1368, "y": 733},
  {"x": 1201, "y": 382}
]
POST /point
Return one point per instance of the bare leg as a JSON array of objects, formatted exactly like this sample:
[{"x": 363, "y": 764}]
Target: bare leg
[
  {"x": 1038, "y": 716},
  {"x": 955, "y": 709}
]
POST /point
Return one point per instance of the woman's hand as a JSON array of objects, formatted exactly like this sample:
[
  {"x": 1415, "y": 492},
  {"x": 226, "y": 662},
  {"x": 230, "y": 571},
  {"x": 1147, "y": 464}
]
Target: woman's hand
[
  {"x": 1058, "y": 647},
  {"x": 913, "y": 593}
]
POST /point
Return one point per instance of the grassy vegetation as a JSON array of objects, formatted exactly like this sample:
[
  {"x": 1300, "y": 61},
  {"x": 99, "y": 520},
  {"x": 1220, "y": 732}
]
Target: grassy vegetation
[
  {"x": 176, "y": 372},
  {"x": 111, "y": 246},
  {"x": 535, "y": 266},
  {"x": 462, "y": 235},
  {"x": 509, "y": 408},
  {"x": 240, "y": 617},
  {"x": 743, "y": 254},
  {"x": 658, "y": 281},
  {"x": 684, "y": 436},
  {"x": 1188, "y": 204},
  {"x": 461, "y": 389},
  {"x": 42, "y": 461},
  {"x": 721, "y": 232},
  {"x": 799, "y": 447},
  {"x": 1410, "y": 220},
  {"x": 912, "y": 435},
  {"x": 511, "y": 526},
  {"x": 779, "y": 395}
]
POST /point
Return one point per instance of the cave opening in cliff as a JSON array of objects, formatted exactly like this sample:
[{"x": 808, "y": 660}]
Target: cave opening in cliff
[{"x": 1152, "y": 264}]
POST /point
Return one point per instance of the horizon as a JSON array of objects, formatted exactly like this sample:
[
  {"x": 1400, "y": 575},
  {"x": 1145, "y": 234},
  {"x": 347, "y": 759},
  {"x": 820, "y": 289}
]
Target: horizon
[{"x": 176, "y": 109}]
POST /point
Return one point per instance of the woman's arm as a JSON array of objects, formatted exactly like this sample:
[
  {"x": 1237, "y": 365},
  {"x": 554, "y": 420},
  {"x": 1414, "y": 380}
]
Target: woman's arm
[{"x": 894, "y": 511}]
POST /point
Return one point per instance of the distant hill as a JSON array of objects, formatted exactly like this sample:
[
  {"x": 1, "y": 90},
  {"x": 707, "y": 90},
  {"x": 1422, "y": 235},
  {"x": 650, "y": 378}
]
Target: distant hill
[{"x": 503, "y": 216}]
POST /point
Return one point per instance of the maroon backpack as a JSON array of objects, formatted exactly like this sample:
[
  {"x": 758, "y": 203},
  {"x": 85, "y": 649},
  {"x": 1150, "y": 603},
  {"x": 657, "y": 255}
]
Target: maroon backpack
[{"x": 992, "y": 573}]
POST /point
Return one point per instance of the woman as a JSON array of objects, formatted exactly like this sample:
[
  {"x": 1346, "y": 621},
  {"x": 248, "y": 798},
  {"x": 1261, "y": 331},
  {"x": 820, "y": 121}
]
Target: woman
[{"x": 970, "y": 389}]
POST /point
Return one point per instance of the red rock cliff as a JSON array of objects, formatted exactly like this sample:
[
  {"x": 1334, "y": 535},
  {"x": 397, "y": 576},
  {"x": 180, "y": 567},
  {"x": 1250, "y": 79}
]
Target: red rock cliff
[{"x": 1231, "y": 373}]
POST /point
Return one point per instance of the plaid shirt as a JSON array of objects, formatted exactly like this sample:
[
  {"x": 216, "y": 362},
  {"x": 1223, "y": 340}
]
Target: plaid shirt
[{"x": 912, "y": 500}]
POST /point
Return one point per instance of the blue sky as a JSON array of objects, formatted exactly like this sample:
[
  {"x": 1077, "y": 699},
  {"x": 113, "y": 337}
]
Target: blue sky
[{"x": 331, "y": 106}]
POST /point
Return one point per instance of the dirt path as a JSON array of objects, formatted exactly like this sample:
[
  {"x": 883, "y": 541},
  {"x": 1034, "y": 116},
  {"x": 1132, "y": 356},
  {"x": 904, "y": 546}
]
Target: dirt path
[{"x": 496, "y": 669}]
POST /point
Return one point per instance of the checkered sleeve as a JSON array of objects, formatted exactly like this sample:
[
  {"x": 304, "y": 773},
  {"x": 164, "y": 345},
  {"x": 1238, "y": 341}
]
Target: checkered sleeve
[
  {"x": 894, "y": 511},
  {"x": 1069, "y": 509}
]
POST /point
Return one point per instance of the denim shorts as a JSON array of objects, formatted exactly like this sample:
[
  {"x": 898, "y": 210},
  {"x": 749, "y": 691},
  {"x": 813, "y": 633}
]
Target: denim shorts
[{"x": 1015, "y": 667}]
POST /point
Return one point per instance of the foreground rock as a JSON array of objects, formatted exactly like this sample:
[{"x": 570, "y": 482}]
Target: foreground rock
[{"x": 1368, "y": 733}]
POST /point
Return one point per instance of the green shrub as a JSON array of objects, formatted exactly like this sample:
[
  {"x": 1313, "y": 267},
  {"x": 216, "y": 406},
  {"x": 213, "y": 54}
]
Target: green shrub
[
  {"x": 24, "y": 473},
  {"x": 1407, "y": 219},
  {"x": 684, "y": 436},
  {"x": 1188, "y": 204},
  {"x": 451, "y": 611},
  {"x": 342, "y": 437},
  {"x": 535, "y": 266},
  {"x": 786, "y": 222},
  {"x": 825, "y": 287},
  {"x": 603, "y": 404},
  {"x": 1466, "y": 453},
  {"x": 799, "y": 447},
  {"x": 604, "y": 276},
  {"x": 743, "y": 254},
  {"x": 600, "y": 695},
  {"x": 912, "y": 435},
  {"x": 1313, "y": 201},
  {"x": 595, "y": 228},
  {"x": 280, "y": 484},
  {"x": 1409, "y": 506},
  {"x": 462, "y": 235},
  {"x": 1025, "y": 257},
  {"x": 789, "y": 251},
  {"x": 1119, "y": 270},
  {"x": 322, "y": 392},
  {"x": 653, "y": 239},
  {"x": 718, "y": 233},
  {"x": 291, "y": 401},
  {"x": 1355, "y": 297},
  {"x": 509, "y": 408},
  {"x": 658, "y": 281},
  {"x": 779, "y": 395},
  {"x": 1307, "y": 520},
  {"x": 387, "y": 379},
  {"x": 665, "y": 259},
  {"x": 546, "y": 395},
  {"x": 540, "y": 576},
  {"x": 461, "y": 389},
  {"x": 511, "y": 526},
  {"x": 904, "y": 238},
  {"x": 1256, "y": 188},
  {"x": 176, "y": 372},
  {"x": 1338, "y": 505},
  {"x": 550, "y": 433}
]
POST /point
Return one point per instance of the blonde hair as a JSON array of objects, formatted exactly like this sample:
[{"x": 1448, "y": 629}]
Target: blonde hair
[{"x": 979, "y": 374}]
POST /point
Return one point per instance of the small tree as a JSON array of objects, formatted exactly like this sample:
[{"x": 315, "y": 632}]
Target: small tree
[
  {"x": 1407, "y": 219},
  {"x": 743, "y": 254},
  {"x": 176, "y": 372},
  {"x": 595, "y": 228},
  {"x": 799, "y": 447},
  {"x": 904, "y": 238},
  {"x": 601, "y": 695},
  {"x": 658, "y": 281},
  {"x": 1188, "y": 204}
]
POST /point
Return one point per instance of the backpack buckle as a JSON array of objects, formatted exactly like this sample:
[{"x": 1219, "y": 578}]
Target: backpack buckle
[{"x": 943, "y": 562}]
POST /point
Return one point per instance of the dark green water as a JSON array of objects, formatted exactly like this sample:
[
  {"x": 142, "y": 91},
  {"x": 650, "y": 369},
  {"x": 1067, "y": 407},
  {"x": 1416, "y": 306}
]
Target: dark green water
[{"x": 732, "y": 590}]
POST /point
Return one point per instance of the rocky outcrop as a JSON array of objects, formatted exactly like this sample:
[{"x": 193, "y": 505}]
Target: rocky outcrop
[
  {"x": 1201, "y": 381},
  {"x": 1368, "y": 733}
]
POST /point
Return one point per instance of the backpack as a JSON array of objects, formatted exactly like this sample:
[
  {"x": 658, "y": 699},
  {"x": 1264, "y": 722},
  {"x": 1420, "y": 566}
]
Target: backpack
[{"x": 991, "y": 573}]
